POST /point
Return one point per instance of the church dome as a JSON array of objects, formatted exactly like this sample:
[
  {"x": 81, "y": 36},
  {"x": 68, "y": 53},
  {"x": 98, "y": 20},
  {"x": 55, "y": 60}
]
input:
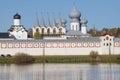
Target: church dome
[
  {"x": 17, "y": 16},
  {"x": 83, "y": 21},
  {"x": 74, "y": 13}
]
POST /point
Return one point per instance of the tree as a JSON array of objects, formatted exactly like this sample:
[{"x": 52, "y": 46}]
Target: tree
[
  {"x": 94, "y": 55},
  {"x": 118, "y": 33},
  {"x": 22, "y": 58},
  {"x": 92, "y": 32},
  {"x": 37, "y": 34},
  {"x": 30, "y": 33}
]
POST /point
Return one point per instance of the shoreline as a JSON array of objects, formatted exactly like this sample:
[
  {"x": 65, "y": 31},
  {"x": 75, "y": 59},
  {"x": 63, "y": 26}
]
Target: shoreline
[{"x": 68, "y": 59}]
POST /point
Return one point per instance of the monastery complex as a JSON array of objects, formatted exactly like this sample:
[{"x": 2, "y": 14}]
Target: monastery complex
[{"x": 55, "y": 39}]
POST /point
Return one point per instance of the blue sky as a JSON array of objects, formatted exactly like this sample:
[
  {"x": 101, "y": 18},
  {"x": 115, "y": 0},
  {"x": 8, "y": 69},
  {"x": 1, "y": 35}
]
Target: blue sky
[{"x": 99, "y": 13}]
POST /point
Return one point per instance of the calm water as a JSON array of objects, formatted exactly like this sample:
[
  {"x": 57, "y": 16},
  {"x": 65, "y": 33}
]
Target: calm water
[{"x": 60, "y": 72}]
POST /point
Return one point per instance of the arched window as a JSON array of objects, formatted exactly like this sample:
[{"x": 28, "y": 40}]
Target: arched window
[
  {"x": 60, "y": 31},
  {"x": 48, "y": 31},
  {"x": 42, "y": 30},
  {"x": 37, "y": 30},
  {"x": 54, "y": 31}
]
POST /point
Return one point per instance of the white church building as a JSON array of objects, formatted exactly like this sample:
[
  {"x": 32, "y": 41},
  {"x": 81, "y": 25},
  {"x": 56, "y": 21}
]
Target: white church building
[{"x": 55, "y": 39}]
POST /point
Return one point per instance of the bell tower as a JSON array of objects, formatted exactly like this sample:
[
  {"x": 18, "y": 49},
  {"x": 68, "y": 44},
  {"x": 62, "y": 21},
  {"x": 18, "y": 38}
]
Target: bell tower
[{"x": 75, "y": 19}]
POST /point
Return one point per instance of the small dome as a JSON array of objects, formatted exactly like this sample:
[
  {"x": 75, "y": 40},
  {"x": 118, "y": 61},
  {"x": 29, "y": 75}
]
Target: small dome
[
  {"x": 83, "y": 21},
  {"x": 17, "y": 16},
  {"x": 74, "y": 13},
  {"x": 63, "y": 21}
]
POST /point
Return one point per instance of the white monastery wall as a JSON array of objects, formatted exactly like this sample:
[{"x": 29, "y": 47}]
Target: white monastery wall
[
  {"x": 49, "y": 48},
  {"x": 117, "y": 48}
]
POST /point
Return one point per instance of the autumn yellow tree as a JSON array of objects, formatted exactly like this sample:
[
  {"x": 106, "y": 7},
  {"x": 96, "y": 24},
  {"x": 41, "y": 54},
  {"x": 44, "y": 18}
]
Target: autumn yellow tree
[{"x": 37, "y": 35}]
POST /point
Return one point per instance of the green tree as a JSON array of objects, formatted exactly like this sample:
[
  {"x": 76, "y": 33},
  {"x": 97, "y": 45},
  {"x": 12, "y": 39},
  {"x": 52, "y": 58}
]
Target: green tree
[
  {"x": 37, "y": 34},
  {"x": 30, "y": 33},
  {"x": 22, "y": 58},
  {"x": 92, "y": 32},
  {"x": 93, "y": 55},
  {"x": 118, "y": 33}
]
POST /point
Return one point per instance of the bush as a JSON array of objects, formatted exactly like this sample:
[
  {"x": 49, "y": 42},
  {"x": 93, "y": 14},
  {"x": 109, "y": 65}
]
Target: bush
[
  {"x": 118, "y": 58},
  {"x": 22, "y": 58},
  {"x": 94, "y": 55}
]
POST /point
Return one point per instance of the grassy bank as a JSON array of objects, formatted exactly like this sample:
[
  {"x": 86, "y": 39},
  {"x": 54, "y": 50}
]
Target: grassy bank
[
  {"x": 78, "y": 59},
  {"x": 67, "y": 59}
]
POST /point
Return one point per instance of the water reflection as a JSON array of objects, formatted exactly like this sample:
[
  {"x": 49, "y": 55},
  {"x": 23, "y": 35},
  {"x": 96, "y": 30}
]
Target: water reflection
[{"x": 60, "y": 72}]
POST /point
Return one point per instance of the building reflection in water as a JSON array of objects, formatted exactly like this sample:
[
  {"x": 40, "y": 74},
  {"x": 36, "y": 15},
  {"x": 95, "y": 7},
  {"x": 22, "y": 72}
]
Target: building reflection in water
[{"x": 60, "y": 72}]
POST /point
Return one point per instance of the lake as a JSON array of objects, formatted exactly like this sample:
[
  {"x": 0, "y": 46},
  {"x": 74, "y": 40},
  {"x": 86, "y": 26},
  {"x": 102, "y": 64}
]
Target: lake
[{"x": 84, "y": 71}]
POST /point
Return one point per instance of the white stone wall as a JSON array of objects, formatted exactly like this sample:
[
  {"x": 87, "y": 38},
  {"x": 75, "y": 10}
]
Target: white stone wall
[
  {"x": 50, "y": 48},
  {"x": 60, "y": 47},
  {"x": 116, "y": 48}
]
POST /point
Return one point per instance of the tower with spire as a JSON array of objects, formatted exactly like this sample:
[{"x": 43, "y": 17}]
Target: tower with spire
[
  {"x": 56, "y": 29},
  {"x": 78, "y": 26}
]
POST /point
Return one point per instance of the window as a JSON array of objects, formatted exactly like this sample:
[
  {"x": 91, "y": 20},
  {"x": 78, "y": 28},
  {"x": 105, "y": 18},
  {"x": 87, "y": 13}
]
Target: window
[
  {"x": 42, "y": 30},
  {"x": 110, "y": 44},
  {"x": 76, "y": 27},
  {"x": 54, "y": 31},
  {"x": 60, "y": 31},
  {"x": 72, "y": 27},
  {"x": 107, "y": 44},
  {"x": 37, "y": 30},
  {"x": 107, "y": 38},
  {"x": 48, "y": 31}
]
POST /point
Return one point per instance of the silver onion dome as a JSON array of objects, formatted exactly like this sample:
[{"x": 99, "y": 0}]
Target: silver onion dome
[
  {"x": 74, "y": 13},
  {"x": 83, "y": 21}
]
